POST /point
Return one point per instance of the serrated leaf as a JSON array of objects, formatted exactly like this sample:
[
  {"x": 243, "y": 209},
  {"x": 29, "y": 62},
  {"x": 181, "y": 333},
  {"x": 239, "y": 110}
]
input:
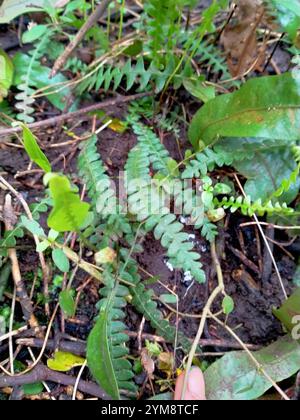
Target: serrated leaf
[
  {"x": 63, "y": 361},
  {"x": 61, "y": 260},
  {"x": 236, "y": 377},
  {"x": 6, "y": 74},
  {"x": 69, "y": 212},
  {"x": 266, "y": 107},
  {"x": 40, "y": 78},
  {"x": 66, "y": 302},
  {"x": 33, "y": 150}
]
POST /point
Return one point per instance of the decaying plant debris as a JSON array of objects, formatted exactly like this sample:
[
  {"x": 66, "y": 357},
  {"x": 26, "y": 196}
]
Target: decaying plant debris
[{"x": 149, "y": 198}]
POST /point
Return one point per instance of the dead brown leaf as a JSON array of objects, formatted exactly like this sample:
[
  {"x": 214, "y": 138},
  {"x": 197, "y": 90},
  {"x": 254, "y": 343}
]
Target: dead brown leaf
[
  {"x": 240, "y": 39},
  {"x": 147, "y": 363}
]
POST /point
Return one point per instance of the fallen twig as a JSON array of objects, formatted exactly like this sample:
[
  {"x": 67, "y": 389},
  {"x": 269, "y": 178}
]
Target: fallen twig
[
  {"x": 248, "y": 263},
  {"x": 41, "y": 373},
  {"x": 219, "y": 289},
  {"x": 81, "y": 113},
  {"x": 36, "y": 239},
  {"x": 26, "y": 304},
  {"x": 79, "y": 347},
  {"x": 94, "y": 17},
  {"x": 13, "y": 333}
]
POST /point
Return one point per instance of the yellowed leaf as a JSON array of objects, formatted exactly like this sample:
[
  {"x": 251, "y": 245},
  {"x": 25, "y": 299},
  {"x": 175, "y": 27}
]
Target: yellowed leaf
[{"x": 63, "y": 362}]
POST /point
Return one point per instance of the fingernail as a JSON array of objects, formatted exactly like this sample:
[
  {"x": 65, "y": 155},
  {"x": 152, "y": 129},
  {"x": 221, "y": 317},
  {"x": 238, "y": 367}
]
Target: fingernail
[{"x": 196, "y": 384}]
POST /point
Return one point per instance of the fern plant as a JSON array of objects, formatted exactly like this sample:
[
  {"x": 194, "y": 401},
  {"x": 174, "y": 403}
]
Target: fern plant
[
  {"x": 106, "y": 348},
  {"x": 27, "y": 85},
  {"x": 106, "y": 345}
]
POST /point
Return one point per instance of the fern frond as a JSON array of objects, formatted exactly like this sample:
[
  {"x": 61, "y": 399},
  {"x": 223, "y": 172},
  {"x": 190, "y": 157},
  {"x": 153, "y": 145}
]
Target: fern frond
[
  {"x": 148, "y": 141},
  {"x": 147, "y": 202},
  {"x": 98, "y": 183},
  {"x": 107, "y": 351},
  {"x": 249, "y": 208},
  {"x": 27, "y": 85},
  {"x": 209, "y": 159},
  {"x": 109, "y": 222}
]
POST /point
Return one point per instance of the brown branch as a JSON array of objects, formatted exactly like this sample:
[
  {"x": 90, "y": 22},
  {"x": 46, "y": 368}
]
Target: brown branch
[
  {"x": 95, "y": 16},
  {"x": 248, "y": 263},
  {"x": 44, "y": 267},
  {"x": 42, "y": 374},
  {"x": 81, "y": 113},
  {"x": 79, "y": 347},
  {"x": 26, "y": 304}
]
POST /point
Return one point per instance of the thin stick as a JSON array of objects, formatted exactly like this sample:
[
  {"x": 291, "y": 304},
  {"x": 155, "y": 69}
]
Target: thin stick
[
  {"x": 42, "y": 373},
  {"x": 94, "y": 17},
  {"x": 35, "y": 237},
  {"x": 11, "y": 322},
  {"x": 27, "y": 308},
  {"x": 13, "y": 333},
  {"x": 78, "y": 380},
  {"x": 41, "y": 352},
  {"x": 219, "y": 289},
  {"x": 79, "y": 347},
  {"x": 81, "y": 113},
  {"x": 44, "y": 382},
  {"x": 279, "y": 227}
]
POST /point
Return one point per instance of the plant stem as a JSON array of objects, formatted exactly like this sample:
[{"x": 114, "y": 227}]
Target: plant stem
[{"x": 219, "y": 289}]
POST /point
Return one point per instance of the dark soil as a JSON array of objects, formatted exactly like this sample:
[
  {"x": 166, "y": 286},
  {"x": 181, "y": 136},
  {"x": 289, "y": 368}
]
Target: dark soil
[{"x": 254, "y": 301}]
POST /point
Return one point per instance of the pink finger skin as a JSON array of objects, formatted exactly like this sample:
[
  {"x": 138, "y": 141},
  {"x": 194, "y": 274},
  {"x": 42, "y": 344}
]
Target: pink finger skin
[{"x": 195, "y": 387}]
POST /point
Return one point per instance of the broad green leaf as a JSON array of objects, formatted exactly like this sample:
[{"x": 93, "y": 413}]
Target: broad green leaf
[
  {"x": 63, "y": 362},
  {"x": 236, "y": 377},
  {"x": 39, "y": 78},
  {"x": 69, "y": 212},
  {"x": 33, "y": 389},
  {"x": 33, "y": 150},
  {"x": 61, "y": 260},
  {"x": 34, "y": 33},
  {"x": 6, "y": 74},
  {"x": 265, "y": 173},
  {"x": 266, "y": 107},
  {"x": 67, "y": 303},
  {"x": 228, "y": 305},
  {"x": 10, "y": 9},
  {"x": 33, "y": 226},
  {"x": 289, "y": 310},
  {"x": 99, "y": 356}
]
